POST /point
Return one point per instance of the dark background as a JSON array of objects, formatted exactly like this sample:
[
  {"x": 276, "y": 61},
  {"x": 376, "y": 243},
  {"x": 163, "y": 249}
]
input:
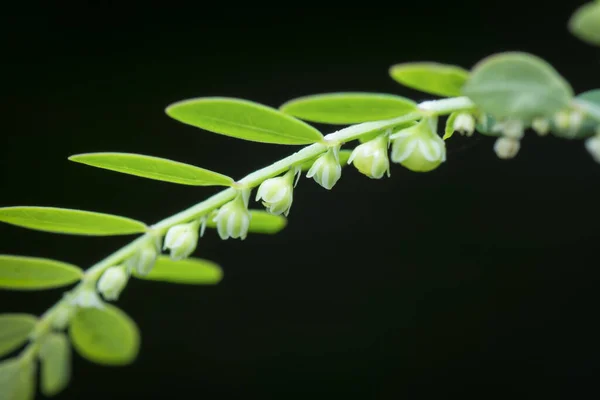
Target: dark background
[{"x": 477, "y": 278}]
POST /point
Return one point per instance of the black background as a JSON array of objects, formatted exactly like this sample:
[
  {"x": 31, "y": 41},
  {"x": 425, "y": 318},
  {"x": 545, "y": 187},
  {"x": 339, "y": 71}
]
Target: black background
[{"x": 477, "y": 278}]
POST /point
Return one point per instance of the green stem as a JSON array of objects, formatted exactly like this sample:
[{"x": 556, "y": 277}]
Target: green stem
[{"x": 436, "y": 107}]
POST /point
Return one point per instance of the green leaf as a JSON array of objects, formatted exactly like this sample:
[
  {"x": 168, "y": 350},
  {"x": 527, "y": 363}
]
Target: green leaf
[
  {"x": 70, "y": 221},
  {"x": 260, "y": 222},
  {"x": 14, "y": 331},
  {"x": 55, "y": 357},
  {"x": 348, "y": 108},
  {"x": 33, "y": 273},
  {"x": 191, "y": 271},
  {"x": 344, "y": 155},
  {"x": 243, "y": 119},
  {"x": 17, "y": 379},
  {"x": 449, "y": 129},
  {"x": 431, "y": 77},
  {"x": 589, "y": 102},
  {"x": 517, "y": 85},
  {"x": 156, "y": 168},
  {"x": 106, "y": 336},
  {"x": 585, "y": 23}
]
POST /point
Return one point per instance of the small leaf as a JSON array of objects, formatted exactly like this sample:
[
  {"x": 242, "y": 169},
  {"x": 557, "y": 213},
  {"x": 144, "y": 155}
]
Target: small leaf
[
  {"x": 33, "y": 273},
  {"x": 260, "y": 222},
  {"x": 70, "y": 221},
  {"x": 517, "y": 85},
  {"x": 106, "y": 336},
  {"x": 348, "y": 108},
  {"x": 14, "y": 331},
  {"x": 431, "y": 77},
  {"x": 243, "y": 119},
  {"x": 449, "y": 130},
  {"x": 55, "y": 357},
  {"x": 344, "y": 156},
  {"x": 191, "y": 271},
  {"x": 17, "y": 379},
  {"x": 585, "y": 23},
  {"x": 156, "y": 168}
]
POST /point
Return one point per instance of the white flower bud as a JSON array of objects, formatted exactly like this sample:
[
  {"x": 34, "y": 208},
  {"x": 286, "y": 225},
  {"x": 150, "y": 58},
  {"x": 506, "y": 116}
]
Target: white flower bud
[
  {"x": 62, "y": 315},
  {"x": 112, "y": 282},
  {"x": 510, "y": 128},
  {"x": 143, "y": 261},
  {"x": 326, "y": 170},
  {"x": 506, "y": 147},
  {"x": 181, "y": 240},
  {"x": 418, "y": 148},
  {"x": 233, "y": 219},
  {"x": 87, "y": 297},
  {"x": 464, "y": 123},
  {"x": 371, "y": 158},
  {"x": 277, "y": 193},
  {"x": 541, "y": 126},
  {"x": 592, "y": 145},
  {"x": 568, "y": 122}
]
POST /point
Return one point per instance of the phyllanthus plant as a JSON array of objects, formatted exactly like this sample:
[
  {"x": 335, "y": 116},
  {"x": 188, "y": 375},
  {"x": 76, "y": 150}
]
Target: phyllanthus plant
[{"x": 503, "y": 96}]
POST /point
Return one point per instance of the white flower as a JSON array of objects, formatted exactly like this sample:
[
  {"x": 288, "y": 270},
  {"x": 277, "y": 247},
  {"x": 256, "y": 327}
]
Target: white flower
[
  {"x": 464, "y": 123},
  {"x": 568, "y": 123},
  {"x": 507, "y": 147},
  {"x": 112, "y": 282},
  {"x": 326, "y": 170},
  {"x": 143, "y": 261},
  {"x": 233, "y": 219},
  {"x": 592, "y": 145},
  {"x": 182, "y": 240},
  {"x": 278, "y": 193},
  {"x": 371, "y": 158},
  {"x": 418, "y": 148},
  {"x": 541, "y": 126},
  {"x": 87, "y": 297}
]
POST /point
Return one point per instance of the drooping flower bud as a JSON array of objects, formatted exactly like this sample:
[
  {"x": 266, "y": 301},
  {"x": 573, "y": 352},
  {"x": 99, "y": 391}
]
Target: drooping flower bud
[
  {"x": 181, "y": 240},
  {"x": 87, "y": 297},
  {"x": 464, "y": 123},
  {"x": 326, "y": 170},
  {"x": 541, "y": 126},
  {"x": 62, "y": 315},
  {"x": 419, "y": 148},
  {"x": 592, "y": 145},
  {"x": 510, "y": 128},
  {"x": 233, "y": 218},
  {"x": 371, "y": 158},
  {"x": 507, "y": 147},
  {"x": 568, "y": 123},
  {"x": 144, "y": 259},
  {"x": 278, "y": 193},
  {"x": 112, "y": 282}
]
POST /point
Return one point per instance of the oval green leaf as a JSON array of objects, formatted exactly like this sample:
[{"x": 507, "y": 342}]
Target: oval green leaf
[
  {"x": 585, "y": 23},
  {"x": 260, "y": 222},
  {"x": 105, "y": 336},
  {"x": 517, "y": 85},
  {"x": 70, "y": 221},
  {"x": 17, "y": 379},
  {"x": 14, "y": 331},
  {"x": 348, "y": 108},
  {"x": 344, "y": 156},
  {"x": 243, "y": 119},
  {"x": 55, "y": 357},
  {"x": 431, "y": 77},
  {"x": 156, "y": 168},
  {"x": 33, "y": 273},
  {"x": 190, "y": 271}
]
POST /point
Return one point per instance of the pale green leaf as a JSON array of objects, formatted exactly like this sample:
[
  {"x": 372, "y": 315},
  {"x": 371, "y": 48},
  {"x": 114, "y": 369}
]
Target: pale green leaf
[
  {"x": 449, "y": 129},
  {"x": 156, "y": 168},
  {"x": 14, "y": 331},
  {"x": 517, "y": 85},
  {"x": 192, "y": 271},
  {"x": 260, "y": 222},
  {"x": 344, "y": 155},
  {"x": 243, "y": 119},
  {"x": 33, "y": 273},
  {"x": 348, "y": 108},
  {"x": 17, "y": 379},
  {"x": 106, "y": 336},
  {"x": 585, "y": 23},
  {"x": 70, "y": 221},
  {"x": 430, "y": 77},
  {"x": 55, "y": 357}
]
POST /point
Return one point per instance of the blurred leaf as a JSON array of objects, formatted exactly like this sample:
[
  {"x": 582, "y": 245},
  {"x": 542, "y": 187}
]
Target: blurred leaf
[
  {"x": 243, "y": 119},
  {"x": 33, "y": 273},
  {"x": 589, "y": 102},
  {"x": 17, "y": 379},
  {"x": 430, "y": 77},
  {"x": 55, "y": 357},
  {"x": 14, "y": 331},
  {"x": 260, "y": 222},
  {"x": 156, "y": 168},
  {"x": 105, "y": 336},
  {"x": 449, "y": 129},
  {"x": 348, "y": 108},
  {"x": 69, "y": 221},
  {"x": 517, "y": 85},
  {"x": 585, "y": 23},
  {"x": 192, "y": 271}
]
